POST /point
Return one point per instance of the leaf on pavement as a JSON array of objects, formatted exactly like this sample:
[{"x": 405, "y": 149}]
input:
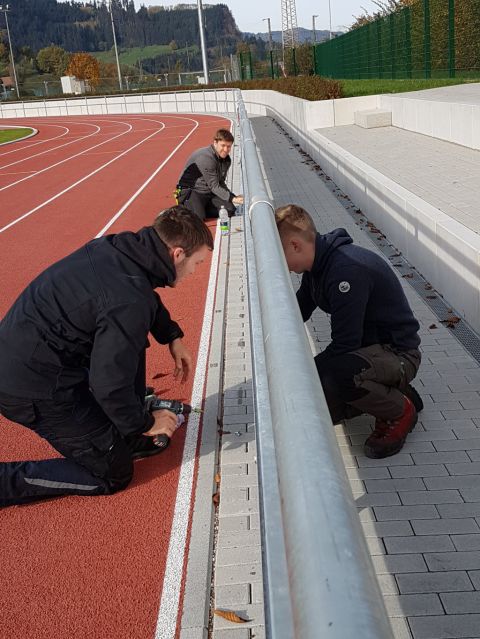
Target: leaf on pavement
[{"x": 229, "y": 615}]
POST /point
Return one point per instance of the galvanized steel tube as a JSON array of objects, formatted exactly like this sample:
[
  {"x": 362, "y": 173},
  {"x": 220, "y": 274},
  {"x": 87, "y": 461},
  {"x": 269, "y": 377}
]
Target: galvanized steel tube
[{"x": 333, "y": 588}]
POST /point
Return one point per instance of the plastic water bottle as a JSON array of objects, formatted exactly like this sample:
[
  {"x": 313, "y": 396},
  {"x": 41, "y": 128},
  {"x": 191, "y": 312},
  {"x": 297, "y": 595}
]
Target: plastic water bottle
[{"x": 223, "y": 215}]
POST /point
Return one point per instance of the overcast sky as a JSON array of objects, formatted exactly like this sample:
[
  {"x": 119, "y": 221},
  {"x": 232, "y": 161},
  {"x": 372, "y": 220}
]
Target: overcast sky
[{"x": 249, "y": 13}]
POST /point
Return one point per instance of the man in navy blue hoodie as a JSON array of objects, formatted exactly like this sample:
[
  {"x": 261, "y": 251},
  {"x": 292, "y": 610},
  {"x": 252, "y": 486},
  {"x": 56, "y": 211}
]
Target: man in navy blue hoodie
[
  {"x": 373, "y": 355},
  {"x": 72, "y": 357}
]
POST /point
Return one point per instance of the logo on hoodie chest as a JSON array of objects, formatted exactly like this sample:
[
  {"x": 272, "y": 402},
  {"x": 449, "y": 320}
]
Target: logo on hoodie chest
[{"x": 344, "y": 287}]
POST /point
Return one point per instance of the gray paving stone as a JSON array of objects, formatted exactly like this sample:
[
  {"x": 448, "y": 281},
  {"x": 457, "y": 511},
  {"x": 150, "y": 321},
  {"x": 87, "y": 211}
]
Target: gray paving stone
[
  {"x": 411, "y": 498},
  {"x": 232, "y": 595},
  {"x": 459, "y": 510},
  {"x": 232, "y": 633},
  {"x": 227, "y": 539},
  {"x": 446, "y": 627},
  {"x": 240, "y": 556},
  {"x": 427, "y": 582},
  {"x": 395, "y": 485},
  {"x": 466, "y": 542},
  {"x": 253, "y": 612},
  {"x": 444, "y": 526},
  {"x": 458, "y": 603},
  {"x": 387, "y": 528},
  {"x": 413, "y": 605},
  {"x": 378, "y": 499},
  {"x": 393, "y": 564},
  {"x": 440, "y": 458},
  {"x": 418, "y": 544},
  {"x": 465, "y": 560},
  {"x": 384, "y": 513},
  {"x": 427, "y": 470},
  {"x": 235, "y": 524}
]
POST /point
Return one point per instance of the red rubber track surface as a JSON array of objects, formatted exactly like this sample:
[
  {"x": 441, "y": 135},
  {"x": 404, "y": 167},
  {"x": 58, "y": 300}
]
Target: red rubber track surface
[{"x": 92, "y": 567}]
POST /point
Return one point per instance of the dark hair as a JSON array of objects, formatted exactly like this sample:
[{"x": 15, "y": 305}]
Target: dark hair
[
  {"x": 178, "y": 226},
  {"x": 223, "y": 134}
]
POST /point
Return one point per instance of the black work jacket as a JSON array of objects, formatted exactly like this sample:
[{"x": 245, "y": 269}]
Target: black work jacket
[{"x": 86, "y": 320}]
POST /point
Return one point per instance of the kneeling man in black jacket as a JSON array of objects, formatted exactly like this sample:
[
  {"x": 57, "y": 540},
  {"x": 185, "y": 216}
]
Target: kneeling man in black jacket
[
  {"x": 373, "y": 355},
  {"x": 72, "y": 357}
]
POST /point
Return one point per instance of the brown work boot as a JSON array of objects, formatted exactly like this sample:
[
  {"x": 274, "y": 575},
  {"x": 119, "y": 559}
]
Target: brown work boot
[{"x": 389, "y": 436}]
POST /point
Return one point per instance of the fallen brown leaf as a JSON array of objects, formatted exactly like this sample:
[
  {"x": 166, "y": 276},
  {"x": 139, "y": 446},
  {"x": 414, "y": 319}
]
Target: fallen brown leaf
[
  {"x": 229, "y": 615},
  {"x": 451, "y": 322},
  {"x": 431, "y": 297},
  {"x": 216, "y": 498},
  {"x": 433, "y": 326},
  {"x": 217, "y": 478},
  {"x": 408, "y": 275}
]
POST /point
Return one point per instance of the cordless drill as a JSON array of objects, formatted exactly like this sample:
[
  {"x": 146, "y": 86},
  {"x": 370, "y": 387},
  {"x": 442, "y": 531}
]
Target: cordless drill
[{"x": 181, "y": 410}]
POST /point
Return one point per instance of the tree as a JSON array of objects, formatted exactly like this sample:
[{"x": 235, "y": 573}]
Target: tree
[
  {"x": 384, "y": 8},
  {"x": 53, "y": 59},
  {"x": 84, "y": 67}
]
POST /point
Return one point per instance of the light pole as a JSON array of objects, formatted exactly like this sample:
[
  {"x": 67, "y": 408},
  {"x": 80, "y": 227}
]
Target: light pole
[
  {"x": 330, "y": 17},
  {"x": 110, "y": 8},
  {"x": 269, "y": 32},
  {"x": 201, "y": 27},
  {"x": 313, "y": 29},
  {"x": 5, "y": 9}
]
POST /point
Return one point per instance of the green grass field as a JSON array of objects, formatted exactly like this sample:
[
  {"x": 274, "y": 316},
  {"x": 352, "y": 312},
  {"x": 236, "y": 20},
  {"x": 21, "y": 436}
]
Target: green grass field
[
  {"x": 133, "y": 55},
  {"x": 9, "y": 135},
  {"x": 352, "y": 88}
]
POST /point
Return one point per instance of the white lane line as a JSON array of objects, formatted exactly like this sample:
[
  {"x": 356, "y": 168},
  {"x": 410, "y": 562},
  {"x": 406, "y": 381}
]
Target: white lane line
[
  {"x": 29, "y": 146},
  {"x": 168, "y": 612},
  {"x": 55, "y": 148},
  {"x": 69, "y": 188},
  {"x": 157, "y": 170},
  {"x": 71, "y": 157}
]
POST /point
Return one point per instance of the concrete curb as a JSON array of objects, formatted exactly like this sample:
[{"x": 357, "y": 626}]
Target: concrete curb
[{"x": 15, "y": 126}]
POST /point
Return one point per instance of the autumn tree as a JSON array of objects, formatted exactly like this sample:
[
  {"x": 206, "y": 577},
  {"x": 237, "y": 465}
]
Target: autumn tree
[
  {"x": 53, "y": 59},
  {"x": 84, "y": 67}
]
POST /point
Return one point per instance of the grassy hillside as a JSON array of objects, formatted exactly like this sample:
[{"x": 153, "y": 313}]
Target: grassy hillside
[{"x": 132, "y": 56}]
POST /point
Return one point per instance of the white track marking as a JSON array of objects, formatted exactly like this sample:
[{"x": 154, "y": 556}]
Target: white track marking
[
  {"x": 29, "y": 146},
  {"x": 167, "y": 615},
  {"x": 71, "y": 157},
  {"x": 157, "y": 170},
  {"x": 86, "y": 177},
  {"x": 36, "y": 155},
  {"x": 172, "y": 581}
]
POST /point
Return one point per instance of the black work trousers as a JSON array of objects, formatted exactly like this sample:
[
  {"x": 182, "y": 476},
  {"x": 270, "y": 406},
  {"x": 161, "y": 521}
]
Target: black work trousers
[
  {"x": 204, "y": 204},
  {"x": 369, "y": 380},
  {"x": 96, "y": 459}
]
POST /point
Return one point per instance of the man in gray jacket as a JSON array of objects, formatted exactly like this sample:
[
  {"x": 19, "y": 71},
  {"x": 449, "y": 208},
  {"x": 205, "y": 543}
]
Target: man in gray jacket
[{"x": 202, "y": 187}]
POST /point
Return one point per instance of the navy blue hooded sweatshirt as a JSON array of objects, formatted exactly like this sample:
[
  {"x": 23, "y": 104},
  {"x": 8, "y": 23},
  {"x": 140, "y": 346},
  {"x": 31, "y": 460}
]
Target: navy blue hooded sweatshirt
[
  {"x": 85, "y": 320},
  {"x": 361, "y": 293}
]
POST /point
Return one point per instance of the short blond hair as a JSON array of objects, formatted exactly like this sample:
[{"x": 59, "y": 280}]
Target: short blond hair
[{"x": 294, "y": 220}]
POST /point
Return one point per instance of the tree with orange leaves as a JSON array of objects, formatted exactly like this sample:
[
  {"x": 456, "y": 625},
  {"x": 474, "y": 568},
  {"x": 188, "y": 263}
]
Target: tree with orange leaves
[{"x": 84, "y": 67}]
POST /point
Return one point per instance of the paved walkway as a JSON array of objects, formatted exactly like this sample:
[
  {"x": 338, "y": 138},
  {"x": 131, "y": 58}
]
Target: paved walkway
[
  {"x": 421, "y": 508},
  {"x": 442, "y": 173}
]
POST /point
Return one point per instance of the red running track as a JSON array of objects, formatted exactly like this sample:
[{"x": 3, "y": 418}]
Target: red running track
[{"x": 93, "y": 567}]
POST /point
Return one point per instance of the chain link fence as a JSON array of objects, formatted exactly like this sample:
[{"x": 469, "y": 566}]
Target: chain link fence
[{"x": 429, "y": 39}]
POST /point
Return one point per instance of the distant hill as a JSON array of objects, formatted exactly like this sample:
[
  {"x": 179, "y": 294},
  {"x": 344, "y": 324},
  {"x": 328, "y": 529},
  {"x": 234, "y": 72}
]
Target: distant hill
[
  {"x": 304, "y": 35},
  {"x": 77, "y": 26}
]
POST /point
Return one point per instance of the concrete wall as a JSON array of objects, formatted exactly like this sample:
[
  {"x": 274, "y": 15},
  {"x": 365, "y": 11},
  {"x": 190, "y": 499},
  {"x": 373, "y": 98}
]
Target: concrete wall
[
  {"x": 219, "y": 101},
  {"x": 445, "y": 251},
  {"x": 456, "y": 122}
]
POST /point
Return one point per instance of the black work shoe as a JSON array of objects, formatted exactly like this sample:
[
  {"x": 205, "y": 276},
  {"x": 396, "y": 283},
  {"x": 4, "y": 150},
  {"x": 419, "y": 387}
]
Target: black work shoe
[
  {"x": 142, "y": 446},
  {"x": 412, "y": 394},
  {"x": 389, "y": 436}
]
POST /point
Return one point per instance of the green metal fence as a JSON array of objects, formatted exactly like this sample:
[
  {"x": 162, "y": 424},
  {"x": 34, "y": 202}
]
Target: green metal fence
[{"x": 429, "y": 39}]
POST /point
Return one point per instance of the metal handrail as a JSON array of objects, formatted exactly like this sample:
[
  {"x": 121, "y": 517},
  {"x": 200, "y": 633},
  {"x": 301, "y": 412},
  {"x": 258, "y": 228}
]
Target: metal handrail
[{"x": 331, "y": 587}]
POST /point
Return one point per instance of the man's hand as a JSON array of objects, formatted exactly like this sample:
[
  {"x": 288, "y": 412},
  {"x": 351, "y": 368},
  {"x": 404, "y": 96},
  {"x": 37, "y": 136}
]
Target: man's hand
[
  {"x": 165, "y": 423},
  {"x": 238, "y": 199},
  {"x": 182, "y": 358}
]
